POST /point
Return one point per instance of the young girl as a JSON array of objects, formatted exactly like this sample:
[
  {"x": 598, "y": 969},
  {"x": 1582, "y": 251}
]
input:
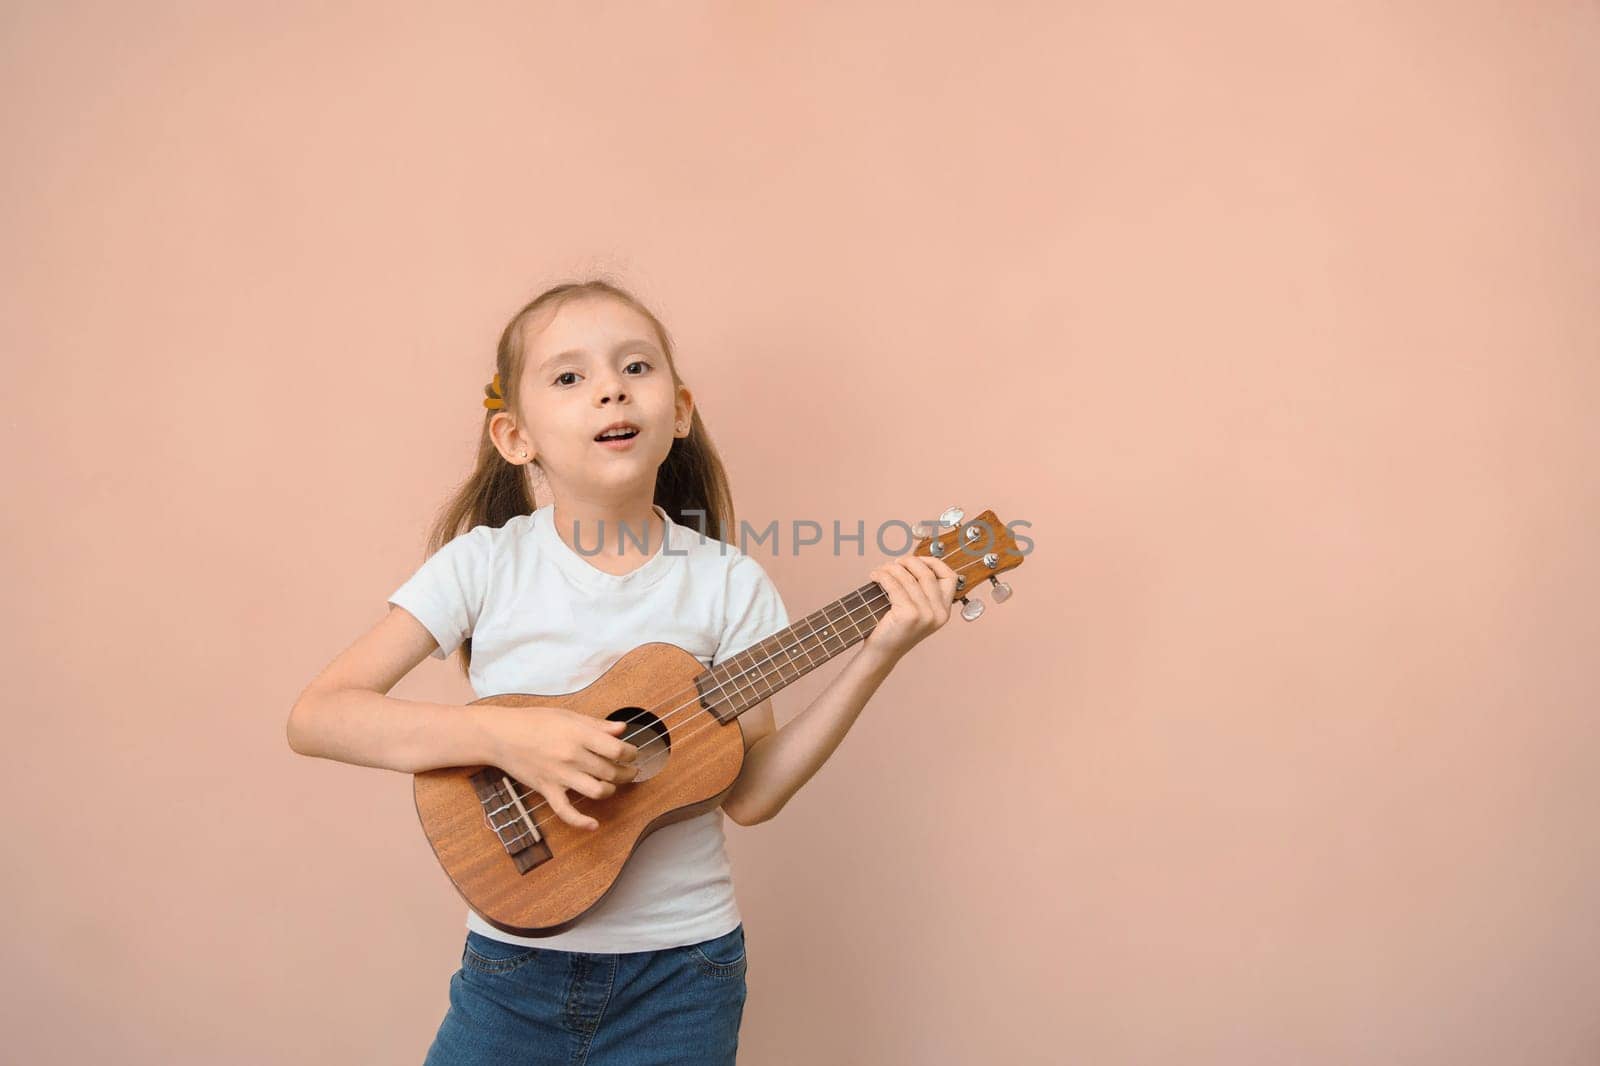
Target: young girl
[{"x": 634, "y": 547}]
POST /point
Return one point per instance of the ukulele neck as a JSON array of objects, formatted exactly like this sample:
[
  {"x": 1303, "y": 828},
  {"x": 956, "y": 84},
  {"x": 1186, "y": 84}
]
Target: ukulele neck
[{"x": 977, "y": 549}]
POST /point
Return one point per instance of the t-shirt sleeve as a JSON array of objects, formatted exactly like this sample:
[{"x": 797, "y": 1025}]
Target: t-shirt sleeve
[
  {"x": 755, "y": 609},
  {"x": 446, "y": 593}
]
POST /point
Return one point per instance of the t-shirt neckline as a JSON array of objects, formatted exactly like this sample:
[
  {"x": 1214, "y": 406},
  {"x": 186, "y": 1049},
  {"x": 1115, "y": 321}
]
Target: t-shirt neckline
[{"x": 589, "y": 576}]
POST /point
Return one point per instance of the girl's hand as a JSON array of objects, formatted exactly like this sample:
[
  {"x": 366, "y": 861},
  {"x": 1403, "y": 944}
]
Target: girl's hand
[
  {"x": 920, "y": 589},
  {"x": 552, "y": 749}
]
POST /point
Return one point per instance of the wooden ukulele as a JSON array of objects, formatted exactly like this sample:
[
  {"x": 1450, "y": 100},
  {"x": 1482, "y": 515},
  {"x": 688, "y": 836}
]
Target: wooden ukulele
[{"x": 531, "y": 874}]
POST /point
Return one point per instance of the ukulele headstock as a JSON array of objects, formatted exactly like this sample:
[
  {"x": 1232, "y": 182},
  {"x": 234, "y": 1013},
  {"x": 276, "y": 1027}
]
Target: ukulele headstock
[{"x": 977, "y": 549}]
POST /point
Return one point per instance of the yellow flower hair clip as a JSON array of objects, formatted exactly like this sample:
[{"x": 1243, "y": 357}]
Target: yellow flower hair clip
[{"x": 496, "y": 399}]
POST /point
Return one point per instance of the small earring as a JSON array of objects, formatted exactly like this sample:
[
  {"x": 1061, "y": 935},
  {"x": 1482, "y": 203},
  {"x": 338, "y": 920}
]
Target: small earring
[{"x": 524, "y": 455}]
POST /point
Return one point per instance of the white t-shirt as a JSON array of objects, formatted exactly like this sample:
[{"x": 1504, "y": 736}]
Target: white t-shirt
[{"x": 544, "y": 620}]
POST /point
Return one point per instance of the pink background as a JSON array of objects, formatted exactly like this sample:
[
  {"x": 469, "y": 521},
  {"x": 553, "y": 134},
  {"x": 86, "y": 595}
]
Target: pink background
[{"x": 1278, "y": 323}]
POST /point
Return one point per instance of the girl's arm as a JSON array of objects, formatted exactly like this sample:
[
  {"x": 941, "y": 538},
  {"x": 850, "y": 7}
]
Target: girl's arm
[
  {"x": 345, "y": 714},
  {"x": 920, "y": 592}
]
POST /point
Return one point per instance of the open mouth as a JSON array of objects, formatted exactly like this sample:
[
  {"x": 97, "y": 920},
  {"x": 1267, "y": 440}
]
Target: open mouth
[{"x": 617, "y": 433}]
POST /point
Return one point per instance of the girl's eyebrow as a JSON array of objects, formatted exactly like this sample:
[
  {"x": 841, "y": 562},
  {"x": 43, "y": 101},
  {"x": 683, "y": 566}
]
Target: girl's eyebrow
[{"x": 579, "y": 353}]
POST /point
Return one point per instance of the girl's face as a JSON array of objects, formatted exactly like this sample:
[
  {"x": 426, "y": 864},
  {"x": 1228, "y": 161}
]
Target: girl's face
[{"x": 594, "y": 364}]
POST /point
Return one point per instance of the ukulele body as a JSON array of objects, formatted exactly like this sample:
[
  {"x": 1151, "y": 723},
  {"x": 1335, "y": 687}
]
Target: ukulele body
[{"x": 689, "y": 760}]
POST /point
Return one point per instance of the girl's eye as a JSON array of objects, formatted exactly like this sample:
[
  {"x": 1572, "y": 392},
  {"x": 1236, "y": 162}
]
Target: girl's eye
[
  {"x": 564, "y": 374},
  {"x": 637, "y": 362}
]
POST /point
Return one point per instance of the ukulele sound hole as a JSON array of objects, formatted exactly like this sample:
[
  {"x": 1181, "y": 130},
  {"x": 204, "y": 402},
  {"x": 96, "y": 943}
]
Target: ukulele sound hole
[{"x": 647, "y": 733}]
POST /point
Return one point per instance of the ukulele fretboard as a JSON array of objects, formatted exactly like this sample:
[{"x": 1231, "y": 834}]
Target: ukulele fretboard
[{"x": 738, "y": 683}]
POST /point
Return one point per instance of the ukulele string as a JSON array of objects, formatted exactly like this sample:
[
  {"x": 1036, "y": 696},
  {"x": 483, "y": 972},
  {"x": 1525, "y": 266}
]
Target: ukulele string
[
  {"x": 869, "y": 603},
  {"x": 532, "y": 810}
]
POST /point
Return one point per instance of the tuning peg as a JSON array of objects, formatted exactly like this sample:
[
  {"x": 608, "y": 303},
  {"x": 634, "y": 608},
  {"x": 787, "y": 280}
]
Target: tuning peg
[
  {"x": 1002, "y": 591},
  {"x": 971, "y": 609},
  {"x": 952, "y": 516}
]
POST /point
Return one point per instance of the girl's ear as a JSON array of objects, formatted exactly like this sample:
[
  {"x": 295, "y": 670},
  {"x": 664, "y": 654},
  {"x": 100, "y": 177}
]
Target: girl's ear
[
  {"x": 684, "y": 411},
  {"x": 512, "y": 444}
]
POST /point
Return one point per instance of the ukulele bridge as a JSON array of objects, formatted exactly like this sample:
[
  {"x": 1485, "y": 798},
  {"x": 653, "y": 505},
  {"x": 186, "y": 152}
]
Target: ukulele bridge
[{"x": 508, "y": 814}]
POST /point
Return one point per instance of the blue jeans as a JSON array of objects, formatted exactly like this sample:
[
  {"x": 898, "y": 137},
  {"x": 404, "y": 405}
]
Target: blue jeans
[{"x": 512, "y": 1005}]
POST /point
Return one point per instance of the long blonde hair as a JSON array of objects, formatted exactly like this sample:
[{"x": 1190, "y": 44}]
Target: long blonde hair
[{"x": 690, "y": 479}]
